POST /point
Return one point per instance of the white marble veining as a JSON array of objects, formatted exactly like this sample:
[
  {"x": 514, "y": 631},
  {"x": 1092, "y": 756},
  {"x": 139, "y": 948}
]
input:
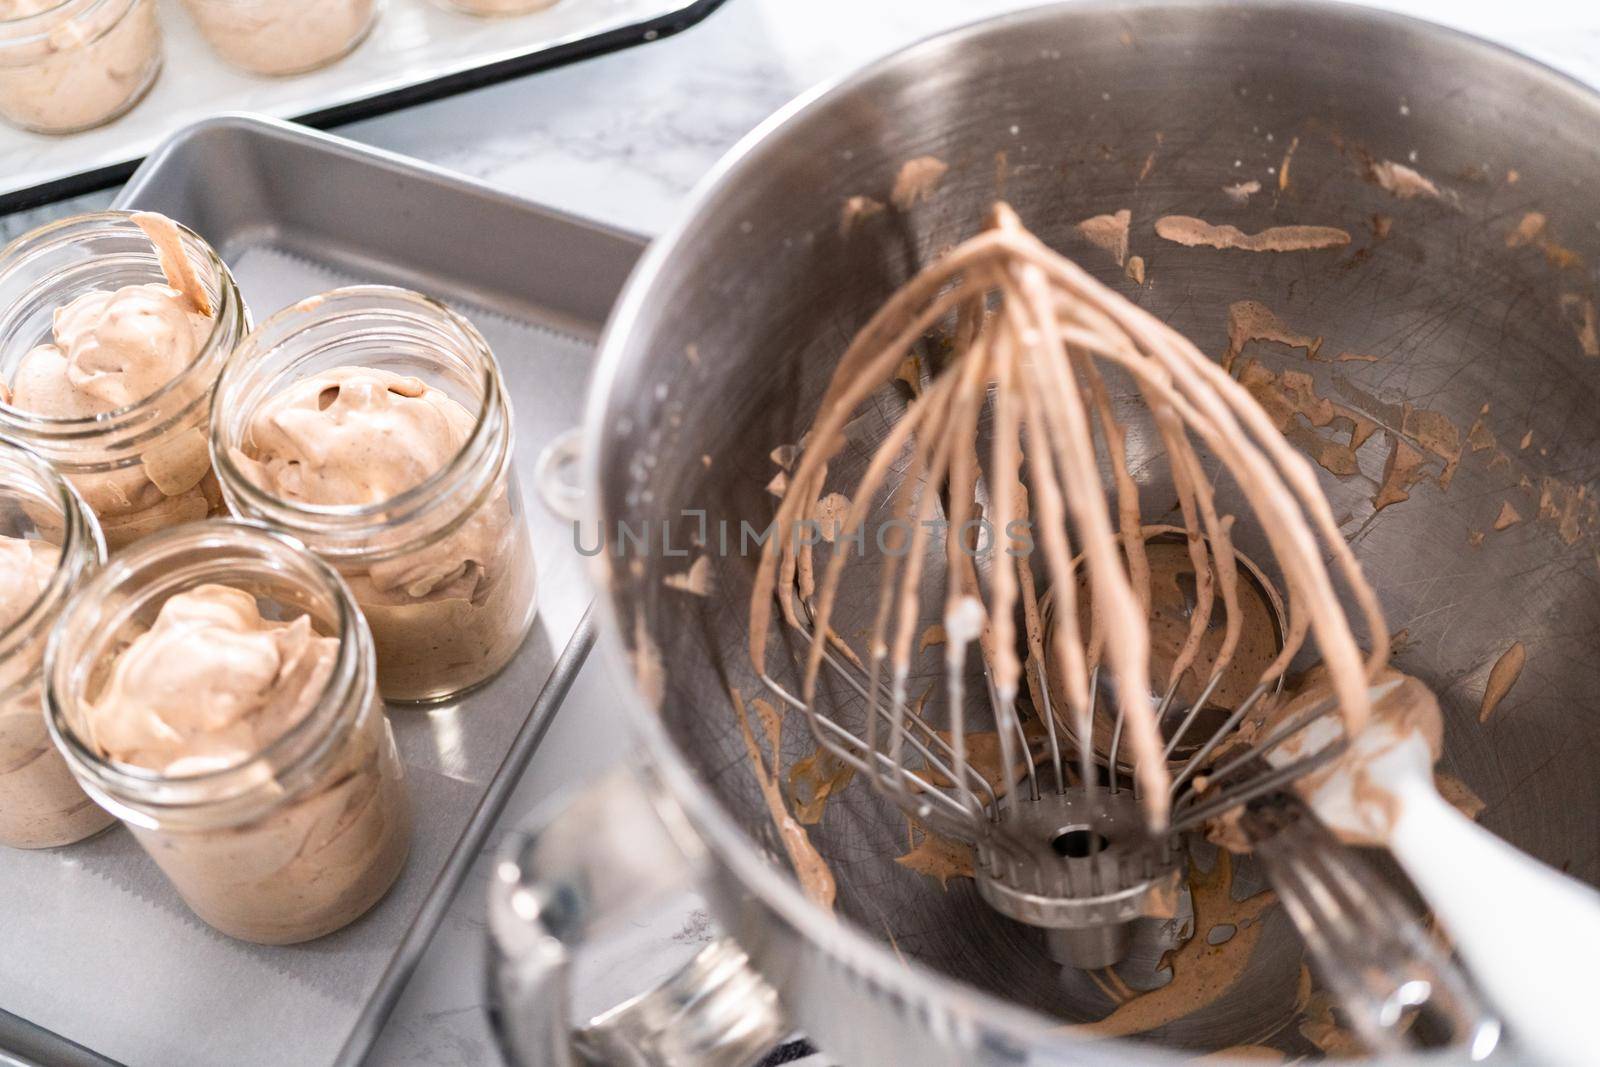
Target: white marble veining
[
  {"x": 412, "y": 41},
  {"x": 622, "y": 139}
]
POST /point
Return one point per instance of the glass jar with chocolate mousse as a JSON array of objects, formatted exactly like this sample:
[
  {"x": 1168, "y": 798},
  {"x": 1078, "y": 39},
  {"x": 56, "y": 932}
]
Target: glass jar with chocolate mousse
[
  {"x": 214, "y": 688},
  {"x": 70, "y": 65},
  {"x": 283, "y": 36},
  {"x": 113, "y": 328},
  {"x": 372, "y": 423},
  {"x": 49, "y": 542}
]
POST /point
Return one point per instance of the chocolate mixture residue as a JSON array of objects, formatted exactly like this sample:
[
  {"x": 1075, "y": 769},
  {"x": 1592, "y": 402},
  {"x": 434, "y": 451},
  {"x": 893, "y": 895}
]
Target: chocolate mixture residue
[
  {"x": 813, "y": 780},
  {"x": 1403, "y": 469},
  {"x": 1577, "y": 308},
  {"x": 856, "y": 210},
  {"x": 1401, "y": 181},
  {"x": 1534, "y": 231},
  {"x": 937, "y": 857},
  {"x": 1321, "y": 1029},
  {"x": 649, "y": 673},
  {"x": 984, "y": 755},
  {"x": 1201, "y": 972},
  {"x": 1283, "y": 168},
  {"x": 1502, "y": 676},
  {"x": 1109, "y": 233},
  {"x": 1408, "y": 711},
  {"x": 829, "y": 515},
  {"x": 1567, "y": 507},
  {"x": 1172, "y": 592},
  {"x": 816, "y": 880},
  {"x": 917, "y": 181},
  {"x": 1433, "y": 435},
  {"x": 697, "y": 580},
  {"x": 1580, "y": 312},
  {"x": 1241, "y": 192},
  {"x": 1436, "y": 434},
  {"x": 1251, "y": 320},
  {"x": 1479, "y": 437},
  {"x": 1290, "y": 396},
  {"x": 1457, "y": 794},
  {"x": 1192, "y": 232}
]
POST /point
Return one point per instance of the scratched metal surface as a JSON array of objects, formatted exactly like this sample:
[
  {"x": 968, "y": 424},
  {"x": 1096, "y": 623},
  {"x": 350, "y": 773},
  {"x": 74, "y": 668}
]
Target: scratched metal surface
[{"x": 1155, "y": 108}]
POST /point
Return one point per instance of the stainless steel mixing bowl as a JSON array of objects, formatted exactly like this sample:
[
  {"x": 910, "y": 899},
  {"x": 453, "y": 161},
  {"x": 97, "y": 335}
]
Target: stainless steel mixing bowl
[{"x": 732, "y": 325}]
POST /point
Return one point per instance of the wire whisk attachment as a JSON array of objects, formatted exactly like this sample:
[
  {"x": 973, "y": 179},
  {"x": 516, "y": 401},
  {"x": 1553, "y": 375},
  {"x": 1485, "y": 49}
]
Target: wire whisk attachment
[{"x": 1011, "y": 424}]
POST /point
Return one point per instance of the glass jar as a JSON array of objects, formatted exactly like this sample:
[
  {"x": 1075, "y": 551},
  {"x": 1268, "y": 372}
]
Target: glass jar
[
  {"x": 45, "y": 529},
  {"x": 146, "y": 466},
  {"x": 70, "y": 65},
  {"x": 294, "y": 842},
  {"x": 436, "y": 636},
  {"x": 283, "y": 36},
  {"x": 498, "y": 7}
]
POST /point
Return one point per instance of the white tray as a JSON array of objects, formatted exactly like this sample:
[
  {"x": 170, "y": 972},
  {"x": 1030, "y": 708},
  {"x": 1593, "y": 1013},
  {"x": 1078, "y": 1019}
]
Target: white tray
[{"x": 417, "y": 51}]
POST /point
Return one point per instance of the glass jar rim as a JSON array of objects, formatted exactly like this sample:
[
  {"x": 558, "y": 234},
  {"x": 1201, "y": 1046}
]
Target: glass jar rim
[
  {"x": 57, "y": 234},
  {"x": 36, "y": 29},
  {"x": 78, "y": 527},
  {"x": 493, "y": 402},
  {"x": 353, "y": 669}
]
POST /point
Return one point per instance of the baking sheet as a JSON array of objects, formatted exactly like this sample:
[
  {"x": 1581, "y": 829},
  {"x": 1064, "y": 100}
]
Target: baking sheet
[
  {"x": 95, "y": 948},
  {"x": 417, "y": 51}
]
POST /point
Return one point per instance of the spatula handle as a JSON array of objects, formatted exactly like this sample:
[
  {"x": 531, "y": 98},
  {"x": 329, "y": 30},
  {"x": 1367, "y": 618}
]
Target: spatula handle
[{"x": 1529, "y": 934}]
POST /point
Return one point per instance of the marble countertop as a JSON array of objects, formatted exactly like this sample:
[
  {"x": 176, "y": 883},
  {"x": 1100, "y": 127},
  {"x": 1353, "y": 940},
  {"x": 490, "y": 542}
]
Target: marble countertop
[{"x": 622, "y": 139}]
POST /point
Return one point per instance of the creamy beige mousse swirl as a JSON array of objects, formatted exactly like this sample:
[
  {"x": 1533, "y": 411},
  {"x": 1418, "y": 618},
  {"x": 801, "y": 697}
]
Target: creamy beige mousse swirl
[
  {"x": 209, "y": 687},
  {"x": 110, "y": 350},
  {"x": 41, "y": 805},
  {"x": 68, "y": 65},
  {"x": 282, "y": 36},
  {"x": 446, "y": 615}
]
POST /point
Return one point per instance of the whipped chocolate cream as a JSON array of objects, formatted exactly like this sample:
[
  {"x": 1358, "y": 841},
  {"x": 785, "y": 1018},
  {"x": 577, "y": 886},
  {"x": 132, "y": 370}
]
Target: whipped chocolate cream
[
  {"x": 110, "y": 350},
  {"x": 210, "y": 687},
  {"x": 77, "y": 70},
  {"x": 447, "y": 615},
  {"x": 41, "y": 805},
  {"x": 282, "y": 36}
]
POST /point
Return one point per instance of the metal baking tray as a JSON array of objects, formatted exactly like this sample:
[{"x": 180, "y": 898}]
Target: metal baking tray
[
  {"x": 417, "y": 51},
  {"x": 96, "y": 952}
]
